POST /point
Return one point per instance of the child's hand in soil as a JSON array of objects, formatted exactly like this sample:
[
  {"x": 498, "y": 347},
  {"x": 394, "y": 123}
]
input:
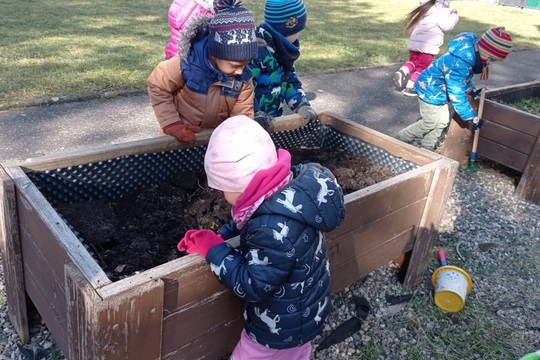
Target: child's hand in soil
[{"x": 199, "y": 241}]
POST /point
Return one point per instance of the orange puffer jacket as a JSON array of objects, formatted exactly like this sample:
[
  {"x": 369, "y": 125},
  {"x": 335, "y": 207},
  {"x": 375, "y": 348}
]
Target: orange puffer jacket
[{"x": 194, "y": 92}]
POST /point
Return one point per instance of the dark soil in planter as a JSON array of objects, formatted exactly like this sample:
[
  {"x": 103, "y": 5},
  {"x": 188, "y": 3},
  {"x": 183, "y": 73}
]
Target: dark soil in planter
[{"x": 139, "y": 231}]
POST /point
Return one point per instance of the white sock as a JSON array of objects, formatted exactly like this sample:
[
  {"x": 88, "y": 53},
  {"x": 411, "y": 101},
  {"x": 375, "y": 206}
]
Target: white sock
[
  {"x": 405, "y": 70},
  {"x": 410, "y": 84}
]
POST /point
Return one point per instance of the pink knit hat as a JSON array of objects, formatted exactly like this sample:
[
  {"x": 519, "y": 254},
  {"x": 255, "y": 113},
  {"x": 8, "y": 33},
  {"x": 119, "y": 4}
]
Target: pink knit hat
[
  {"x": 238, "y": 148},
  {"x": 495, "y": 44}
]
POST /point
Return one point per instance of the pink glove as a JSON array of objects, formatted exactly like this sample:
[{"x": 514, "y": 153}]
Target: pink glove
[
  {"x": 199, "y": 241},
  {"x": 454, "y": 11}
]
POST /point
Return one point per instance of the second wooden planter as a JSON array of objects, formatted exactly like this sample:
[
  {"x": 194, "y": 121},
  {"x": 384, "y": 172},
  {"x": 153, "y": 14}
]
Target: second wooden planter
[{"x": 511, "y": 137}]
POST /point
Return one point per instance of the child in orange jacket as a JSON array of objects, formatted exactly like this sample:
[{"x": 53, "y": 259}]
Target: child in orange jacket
[{"x": 209, "y": 80}]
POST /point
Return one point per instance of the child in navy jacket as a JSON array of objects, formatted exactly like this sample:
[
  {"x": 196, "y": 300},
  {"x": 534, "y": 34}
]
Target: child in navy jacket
[{"x": 281, "y": 269}]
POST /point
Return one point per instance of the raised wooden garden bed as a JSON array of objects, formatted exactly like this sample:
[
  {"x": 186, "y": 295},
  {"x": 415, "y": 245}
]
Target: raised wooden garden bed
[
  {"x": 511, "y": 137},
  {"x": 172, "y": 310}
]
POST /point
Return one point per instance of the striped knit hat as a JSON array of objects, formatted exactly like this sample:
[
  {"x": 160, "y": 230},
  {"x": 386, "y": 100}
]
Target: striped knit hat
[
  {"x": 287, "y": 17},
  {"x": 495, "y": 44},
  {"x": 232, "y": 32}
]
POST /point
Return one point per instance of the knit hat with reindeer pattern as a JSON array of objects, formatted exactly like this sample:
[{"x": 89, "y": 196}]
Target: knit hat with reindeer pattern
[{"x": 232, "y": 32}]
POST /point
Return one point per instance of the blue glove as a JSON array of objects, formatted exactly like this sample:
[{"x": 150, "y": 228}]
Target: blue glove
[
  {"x": 474, "y": 93},
  {"x": 307, "y": 113},
  {"x": 263, "y": 119},
  {"x": 228, "y": 230},
  {"x": 477, "y": 123}
]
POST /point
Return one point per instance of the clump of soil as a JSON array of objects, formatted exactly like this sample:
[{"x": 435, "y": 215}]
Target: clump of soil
[
  {"x": 352, "y": 172},
  {"x": 139, "y": 231}
]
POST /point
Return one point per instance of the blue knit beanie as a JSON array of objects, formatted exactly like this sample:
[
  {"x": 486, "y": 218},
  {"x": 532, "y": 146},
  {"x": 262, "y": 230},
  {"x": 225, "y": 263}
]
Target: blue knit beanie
[
  {"x": 232, "y": 32},
  {"x": 288, "y": 17}
]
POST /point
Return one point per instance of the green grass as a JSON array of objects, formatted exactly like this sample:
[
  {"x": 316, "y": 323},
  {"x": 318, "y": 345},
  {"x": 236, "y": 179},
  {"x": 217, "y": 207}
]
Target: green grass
[
  {"x": 56, "y": 354},
  {"x": 67, "y": 47},
  {"x": 531, "y": 105},
  {"x": 472, "y": 333}
]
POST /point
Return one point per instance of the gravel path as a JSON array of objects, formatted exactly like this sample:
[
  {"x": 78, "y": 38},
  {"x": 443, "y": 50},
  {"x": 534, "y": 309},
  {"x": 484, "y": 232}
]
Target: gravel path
[{"x": 485, "y": 230}]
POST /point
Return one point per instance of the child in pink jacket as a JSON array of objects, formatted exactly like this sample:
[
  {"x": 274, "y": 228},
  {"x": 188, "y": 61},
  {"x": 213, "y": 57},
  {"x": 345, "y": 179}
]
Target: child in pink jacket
[
  {"x": 427, "y": 24},
  {"x": 181, "y": 13}
]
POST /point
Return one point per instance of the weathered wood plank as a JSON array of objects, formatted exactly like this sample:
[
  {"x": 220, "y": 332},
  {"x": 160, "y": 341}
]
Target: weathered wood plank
[
  {"x": 150, "y": 145},
  {"x": 383, "y": 198},
  {"x": 388, "y": 143},
  {"x": 529, "y": 184},
  {"x": 200, "y": 319},
  {"x": 440, "y": 189},
  {"x": 12, "y": 261},
  {"x": 358, "y": 267},
  {"x": 44, "y": 258},
  {"x": 508, "y": 137},
  {"x": 502, "y": 155},
  {"x": 124, "y": 327},
  {"x": 459, "y": 139},
  {"x": 509, "y": 88},
  {"x": 220, "y": 348},
  {"x": 515, "y": 139},
  {"x": 47, "y": 243},
  {"x": 80, "y": 299},
  {"x": 130, "y": 324},
  {"x": 192, "y": 271},
  {"x": 511, "y": 117},
  {"x": 31, "y": 202},
  {"x": 50, "y": 302},
  {"x": 355, "y": 246}
]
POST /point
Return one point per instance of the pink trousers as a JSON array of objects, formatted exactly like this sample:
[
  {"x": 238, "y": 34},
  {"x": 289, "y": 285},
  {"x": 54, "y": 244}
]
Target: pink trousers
[
  {"x": 417, "y": 63},
  {"x": 247, "y": 349}
]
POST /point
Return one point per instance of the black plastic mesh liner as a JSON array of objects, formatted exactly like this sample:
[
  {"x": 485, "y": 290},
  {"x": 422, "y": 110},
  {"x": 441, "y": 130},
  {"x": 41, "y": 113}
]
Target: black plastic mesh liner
[
  {"x": 126, "y": 174},
  {"x": 514, "y": 96}
]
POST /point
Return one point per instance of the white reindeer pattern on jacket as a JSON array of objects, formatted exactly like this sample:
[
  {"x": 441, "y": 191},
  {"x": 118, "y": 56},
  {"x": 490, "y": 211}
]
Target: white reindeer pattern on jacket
[
  {"x": 323, "y": 192},
  {"x": 288, "y": 202}
]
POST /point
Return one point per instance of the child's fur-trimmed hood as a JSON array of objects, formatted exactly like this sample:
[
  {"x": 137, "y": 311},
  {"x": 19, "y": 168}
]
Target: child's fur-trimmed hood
[{"x": 191, "y": 33}]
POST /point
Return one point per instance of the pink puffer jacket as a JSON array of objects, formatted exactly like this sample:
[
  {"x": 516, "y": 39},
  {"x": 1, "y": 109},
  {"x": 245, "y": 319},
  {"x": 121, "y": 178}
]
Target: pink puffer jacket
[
  {"x": 428, "y": 35},
  {"x": 181, "y": 13}
]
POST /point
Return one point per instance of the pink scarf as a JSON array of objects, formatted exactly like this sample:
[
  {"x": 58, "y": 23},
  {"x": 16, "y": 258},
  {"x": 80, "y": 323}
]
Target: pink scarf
[{"x": 263, "y": 185}]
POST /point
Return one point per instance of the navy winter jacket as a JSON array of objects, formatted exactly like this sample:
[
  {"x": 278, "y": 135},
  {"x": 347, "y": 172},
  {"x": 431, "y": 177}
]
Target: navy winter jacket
[{"x": 281, "y": 271}]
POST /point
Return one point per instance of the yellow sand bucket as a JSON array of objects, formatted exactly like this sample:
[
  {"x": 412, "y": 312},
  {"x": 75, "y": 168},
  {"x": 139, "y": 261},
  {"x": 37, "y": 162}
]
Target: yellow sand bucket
[{"x": 452, "y": 284}]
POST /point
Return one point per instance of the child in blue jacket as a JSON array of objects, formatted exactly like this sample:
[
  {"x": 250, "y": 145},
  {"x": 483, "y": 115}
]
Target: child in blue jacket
[
  {"x": 281, "y": 269},
  {"x": 274, "y": 74},
  {"x": 448, "y": 80}
]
